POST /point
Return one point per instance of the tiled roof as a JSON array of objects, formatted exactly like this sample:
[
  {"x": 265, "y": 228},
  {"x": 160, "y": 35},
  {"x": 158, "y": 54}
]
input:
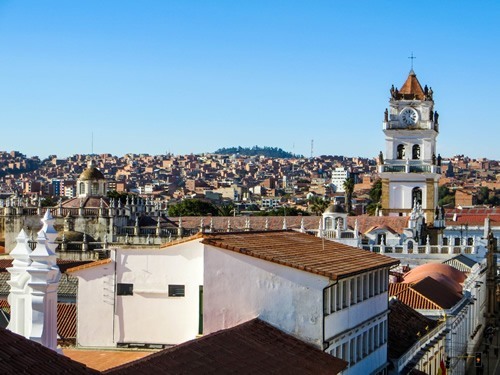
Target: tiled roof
[
  {"x": 427, "y": 294},
  {"x": 89, "y": 265},
  {"x": 5, "y": 263},
  {"x": 302, "y": 251},
  {"x": 366, "y": 223},
  {"x": 258, "y": 223},
  {"x": 104, "y": 359},
  {"x": 444, "y": 273},
  {"x": 437, "y": 292},
  {"x": 411, "y": 89},
  {"x": 66, "y": 320},
  {"x": 404, "y": 324},
  {"x": 182, "y": 240},
  {"x": 88, "y": 202},
  {"x": 63, "y": 264},
  {"x": 22, "y": 356},
  {"x": 472, "y": 216},
  {"x": 396, "y": 288},
  {"x": 253, "y": 347},
  {"x": 68, "y": 285}
]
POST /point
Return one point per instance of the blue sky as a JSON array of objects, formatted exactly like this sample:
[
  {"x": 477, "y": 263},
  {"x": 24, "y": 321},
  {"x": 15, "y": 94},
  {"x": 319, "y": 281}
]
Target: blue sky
[{"x": 193, "y": 76}]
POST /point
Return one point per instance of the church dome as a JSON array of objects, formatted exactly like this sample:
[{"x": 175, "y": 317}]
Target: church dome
[
  {"x": 441, "y": 272},
  {"x": 91, "y": 173},
  {"x": 334, "y": 209}
]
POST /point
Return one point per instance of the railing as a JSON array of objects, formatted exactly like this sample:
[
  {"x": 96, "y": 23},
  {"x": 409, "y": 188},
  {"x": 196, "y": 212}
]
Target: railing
[
  {"x": 394, "y": 123},
  {"x": 417, "y": 347},
  {"x": 425, "y": 168},
  {"x": 423, "y": 249}
]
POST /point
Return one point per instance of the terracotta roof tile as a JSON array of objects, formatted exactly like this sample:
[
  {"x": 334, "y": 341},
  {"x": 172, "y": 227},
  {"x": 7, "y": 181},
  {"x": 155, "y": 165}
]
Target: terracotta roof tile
[
  {"x": 411, "y": 89},
  {"x": 302, "y": 251},
  {"x": 416, "y": 301},
  {"x": 89, "y": 265},
  {"x": 253, "y": 347},
  {"x": 258, "y": 223},
  {"x": 104, "y": 359},
  {"x": 472, "y": 216},
  {"x": 437, "y": 292},
  {"x": 396, "y": 288},
  {"x": 426, "y": 294},
  {"x": 22, "y": 356},
  {"x": 404, "y": 324},
  {"x": 66, "y": 320}
]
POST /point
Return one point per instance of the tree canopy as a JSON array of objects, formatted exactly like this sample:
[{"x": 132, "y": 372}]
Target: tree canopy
[
  {"x": 272, "y": 152},
  {"x": 192, "y": 207},
  {"x": 375, "y": 195}
]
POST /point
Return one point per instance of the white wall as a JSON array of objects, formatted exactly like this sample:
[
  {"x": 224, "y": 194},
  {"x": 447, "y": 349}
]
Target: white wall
[
  {"x": 95, "y": 302},
  {"x": 401, "y": 194},
  {"x": 150, "y": 315},
  {"x": 240, "y": 287}
]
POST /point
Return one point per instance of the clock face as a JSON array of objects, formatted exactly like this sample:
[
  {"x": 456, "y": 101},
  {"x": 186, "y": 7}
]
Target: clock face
[{"x": 409, "y": 116}]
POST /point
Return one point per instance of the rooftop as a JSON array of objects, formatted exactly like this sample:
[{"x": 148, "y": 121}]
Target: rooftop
[
  {"x": 302, "y": 251},
  {"x": 254, "y": 347}
]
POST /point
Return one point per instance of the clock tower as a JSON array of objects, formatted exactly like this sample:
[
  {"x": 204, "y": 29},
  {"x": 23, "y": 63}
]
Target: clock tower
[{"x": 410, "y": 169}]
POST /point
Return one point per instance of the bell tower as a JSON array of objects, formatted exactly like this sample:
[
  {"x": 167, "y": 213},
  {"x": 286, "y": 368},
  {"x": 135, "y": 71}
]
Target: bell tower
[{"x": 410, "y": 169}]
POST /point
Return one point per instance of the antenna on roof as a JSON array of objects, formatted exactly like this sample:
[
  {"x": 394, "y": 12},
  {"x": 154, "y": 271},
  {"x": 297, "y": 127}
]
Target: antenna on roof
[
  {"x": 412, "y": 58},
  {"x": 92, "y": 144},
  {"x": 312, "y": 147}
]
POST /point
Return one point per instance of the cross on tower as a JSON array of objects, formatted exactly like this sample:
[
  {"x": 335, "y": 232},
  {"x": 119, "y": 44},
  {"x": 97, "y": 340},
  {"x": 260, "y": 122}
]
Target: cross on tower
[{"x": 412, "y": 58}]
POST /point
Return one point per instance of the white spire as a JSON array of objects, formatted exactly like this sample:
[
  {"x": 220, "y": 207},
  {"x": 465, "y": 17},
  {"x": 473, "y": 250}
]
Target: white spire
[
  {"x": 44, "y": 280},
  {"x": 48, "y": 229}
]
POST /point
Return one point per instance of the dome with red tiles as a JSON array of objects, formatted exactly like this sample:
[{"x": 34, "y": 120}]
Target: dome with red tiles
[{"x": 441, "y": 272}]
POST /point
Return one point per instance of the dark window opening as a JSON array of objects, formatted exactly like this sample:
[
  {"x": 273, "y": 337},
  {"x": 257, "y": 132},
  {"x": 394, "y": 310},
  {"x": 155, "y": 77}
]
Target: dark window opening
[
  {"x": 176, "y": 290},
  {"x": 125, "y": 289}
]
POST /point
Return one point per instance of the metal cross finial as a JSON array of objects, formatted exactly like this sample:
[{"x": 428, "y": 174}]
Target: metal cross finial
[{"x": 412, "y": 58}]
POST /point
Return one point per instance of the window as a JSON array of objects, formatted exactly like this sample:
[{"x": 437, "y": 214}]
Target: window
[
  {"x": 176, "y": 290},
  {"x": 401, "y": 152},
  {"x": 344, "y": 293},
  {"x": 416, "y": 152},
  {"x": 353, "y": 291},
  {"x": 124, "y": 289},
  {"x": 416, "y": 195}
]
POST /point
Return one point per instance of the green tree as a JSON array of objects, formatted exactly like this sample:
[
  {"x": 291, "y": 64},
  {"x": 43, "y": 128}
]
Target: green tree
[
  {"x": 48, "y": 202},
  {"x": 317, "y": 205},
  {"x": 283, "y": 211},
  {"x": 446, "y": 197},
  {"x": 375, "y": 195},
  {"x": 192, "y": 207},
  {"x": 348, "y": 190},
  {"x": 226, "y": 210}
]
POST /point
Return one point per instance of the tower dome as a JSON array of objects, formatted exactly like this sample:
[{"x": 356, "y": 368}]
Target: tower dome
[
  {"x": 91, "y": 173},
  {"x": 91, "y": 182}
]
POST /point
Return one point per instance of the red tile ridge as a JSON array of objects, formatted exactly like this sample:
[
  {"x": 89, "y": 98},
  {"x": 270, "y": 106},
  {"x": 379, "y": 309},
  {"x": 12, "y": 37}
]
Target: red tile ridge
[
  {"x": 89, "y": 265},
  {"x": 186, "y": 239}
]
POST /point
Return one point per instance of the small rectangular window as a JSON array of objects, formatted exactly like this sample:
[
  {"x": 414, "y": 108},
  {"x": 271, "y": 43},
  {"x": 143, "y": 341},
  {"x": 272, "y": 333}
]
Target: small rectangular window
[
  {"x": 176, "y": 290},
  {"x": 125, "y": 289}
]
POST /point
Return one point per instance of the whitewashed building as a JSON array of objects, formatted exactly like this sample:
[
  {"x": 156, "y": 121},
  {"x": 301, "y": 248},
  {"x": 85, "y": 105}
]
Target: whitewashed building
[
  {"x": 328, "y": 294},
  {"x": 141, "y": 296}
]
